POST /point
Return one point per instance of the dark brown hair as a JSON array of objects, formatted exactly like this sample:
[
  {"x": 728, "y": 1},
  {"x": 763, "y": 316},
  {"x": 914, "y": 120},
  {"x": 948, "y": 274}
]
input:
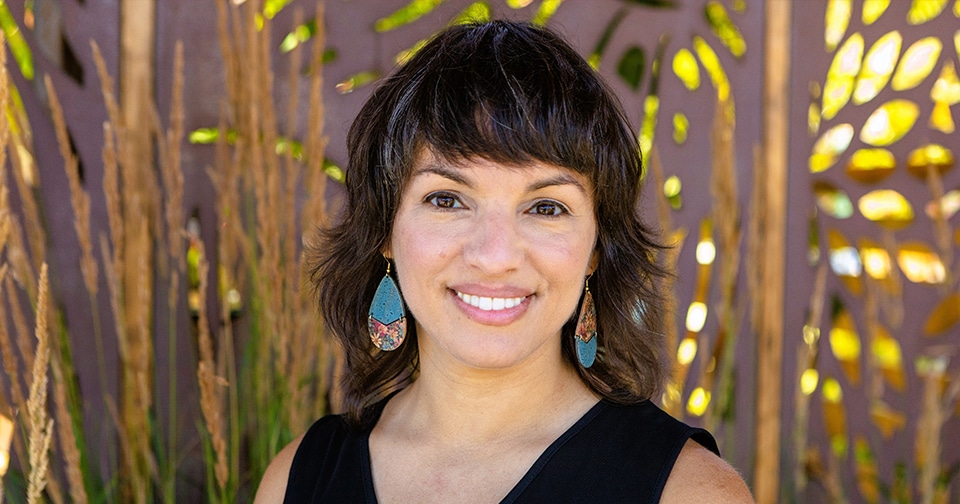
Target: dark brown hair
[{"x": 511, "y": 93}]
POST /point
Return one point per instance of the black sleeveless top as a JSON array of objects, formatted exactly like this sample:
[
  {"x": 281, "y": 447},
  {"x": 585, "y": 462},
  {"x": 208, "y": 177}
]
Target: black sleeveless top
[{"x": 612, "y": 454}]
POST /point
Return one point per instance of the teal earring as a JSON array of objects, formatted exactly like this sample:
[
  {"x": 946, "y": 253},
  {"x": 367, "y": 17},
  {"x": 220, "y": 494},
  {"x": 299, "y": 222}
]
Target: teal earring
[
  {"x": 386, "y": 321},
  {"x": 586, "y": 332}
]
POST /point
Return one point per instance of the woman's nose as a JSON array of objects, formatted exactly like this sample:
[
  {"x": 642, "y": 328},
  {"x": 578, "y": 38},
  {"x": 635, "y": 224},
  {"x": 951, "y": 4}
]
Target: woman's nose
[{"x": 494, "y": 245}]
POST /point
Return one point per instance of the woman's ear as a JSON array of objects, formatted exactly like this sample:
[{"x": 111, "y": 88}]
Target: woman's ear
[{"x": 594, "y": 262}]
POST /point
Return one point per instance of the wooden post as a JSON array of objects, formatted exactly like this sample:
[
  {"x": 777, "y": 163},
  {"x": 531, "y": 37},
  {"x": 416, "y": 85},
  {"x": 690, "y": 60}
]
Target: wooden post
[{"x": 775, "y": 140}]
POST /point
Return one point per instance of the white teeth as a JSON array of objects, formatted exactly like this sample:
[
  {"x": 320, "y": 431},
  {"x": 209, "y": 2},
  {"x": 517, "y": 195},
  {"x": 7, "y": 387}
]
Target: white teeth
[{"x": 489, "y": 304}]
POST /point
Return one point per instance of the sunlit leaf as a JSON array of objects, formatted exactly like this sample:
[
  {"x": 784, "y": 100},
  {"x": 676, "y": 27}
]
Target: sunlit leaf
[
  {"x": 877, "y": 67},
  {"x": 710, "y": 61},
  {"x": 299, "y": 35},
  {"x": 477, "y": 12},
  {"x": 813, "y": 118},
  {"x": 696, "y": 316},
  {"x": 631, "y": 66},
  {"x": 922, "y": 11},
  {"x": 273, "y": 7},
  {"x": 866, "y": 465},
  {"x": 844, "y": 260},
  {"x": 834, "y": 415},
  {"x": 15, "y": 41},
  {"x": 843, "y": 70},
  {"x": 956, "y": 12},
  {"x": 357, "y": 80},
  {"x": 685, "y": 67},
  {"x": 944, "y": 316},
  {"x": 651, "y": 108},
  {"x": 836, "y": 20},
  {"x": 809, "y": 380},
  {"x": 680, "y": 126},
  {"x": 889, "y": 123},
  {"x": 699, "y": 400},
  {"x": 671, "y": 189},
  {"x": 333, "y": 171},
  {"x": 601, "y": 47},
  {"x": 875, "y": 259},
  {"x": 546, "y": 11},
  {"x": 949, "y": 205},
  {"x": 916, "y": 64},
  {"x": 832, "y": 200},
  {"x": 930, "y": 156},
  {"x": 920, "y": 264},
  {"x": 518, "y": 4},
  {"x": 945, "y": 92},
  {"x": 406, "y": 14},
  {"x": 947, "y": 87},
  {"x": 941, "y": 118},
  {"x": 724, "y": 28},
  {"x": 845, "y": 345},
  {"x": 887, "y": 420},
  {"x": 870, "y": 166},
  {"x": 831, "y": 145},
  {"x": 687, "y": 351},
  {"x": 887, "y": 208},
  {"x": 888, "y": 357},
  {"x": 872, "y": 10}
]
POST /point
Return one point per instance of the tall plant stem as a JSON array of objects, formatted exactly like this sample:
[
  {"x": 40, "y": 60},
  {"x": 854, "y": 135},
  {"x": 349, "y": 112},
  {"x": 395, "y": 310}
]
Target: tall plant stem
[{"x": 170, "y": 476}]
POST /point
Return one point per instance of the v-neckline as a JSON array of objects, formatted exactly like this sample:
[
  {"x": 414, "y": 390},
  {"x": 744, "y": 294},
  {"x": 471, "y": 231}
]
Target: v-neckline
[{"x": 533, "y": 471}]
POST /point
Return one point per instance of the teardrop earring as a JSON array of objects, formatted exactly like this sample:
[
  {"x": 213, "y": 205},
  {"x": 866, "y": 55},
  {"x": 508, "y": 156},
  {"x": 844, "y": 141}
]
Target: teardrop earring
[
  {"x": 586, "y": 332},
  {"x": 387, "y": 322}
]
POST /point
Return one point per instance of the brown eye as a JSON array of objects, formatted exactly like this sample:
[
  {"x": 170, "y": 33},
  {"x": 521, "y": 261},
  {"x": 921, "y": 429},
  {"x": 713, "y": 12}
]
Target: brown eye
[
  {"x": 548, "y": 208},
  {"x": 444, "y": 200}
]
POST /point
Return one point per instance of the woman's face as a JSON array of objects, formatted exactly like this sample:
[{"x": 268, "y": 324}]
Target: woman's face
[{"x": 492, "y": 259}]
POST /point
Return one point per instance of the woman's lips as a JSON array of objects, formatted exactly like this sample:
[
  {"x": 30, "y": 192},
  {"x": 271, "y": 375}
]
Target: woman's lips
[{"x": 492, "y": 309}]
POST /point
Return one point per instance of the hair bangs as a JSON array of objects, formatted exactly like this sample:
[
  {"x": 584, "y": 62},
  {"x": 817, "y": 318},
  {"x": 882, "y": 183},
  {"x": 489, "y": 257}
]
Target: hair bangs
[{"x": 509, "y": 104}]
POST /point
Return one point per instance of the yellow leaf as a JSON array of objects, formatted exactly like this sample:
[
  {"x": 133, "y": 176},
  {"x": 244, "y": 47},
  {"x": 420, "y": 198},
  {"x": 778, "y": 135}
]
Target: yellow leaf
[
  {"x": 869, "y": 166},
  {"x": 887, "y": 208},
  {"x": 889, "y": 123},
  {"x": 843, "y": 70},
  {"x": 877, "y": 67},
  {"x": 944, "y": 316},
  {"x": 917, "y": 63}
]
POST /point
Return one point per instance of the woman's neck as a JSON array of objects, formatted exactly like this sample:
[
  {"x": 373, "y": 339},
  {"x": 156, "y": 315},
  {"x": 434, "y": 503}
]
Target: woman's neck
[{"x": 453, "y": 405}]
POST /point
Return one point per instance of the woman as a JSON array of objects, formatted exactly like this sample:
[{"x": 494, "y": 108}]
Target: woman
[{"x": 495, "y": 294}]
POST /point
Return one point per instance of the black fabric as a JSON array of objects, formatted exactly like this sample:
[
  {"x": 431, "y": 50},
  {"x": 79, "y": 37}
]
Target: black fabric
[{"x": 612, "y": 454}]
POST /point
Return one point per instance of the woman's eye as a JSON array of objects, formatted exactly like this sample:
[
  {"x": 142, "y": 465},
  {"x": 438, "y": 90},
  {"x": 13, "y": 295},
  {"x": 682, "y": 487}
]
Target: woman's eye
[
  {"x": 549, "y": 208},
  {"x": 443, "y": 200}
]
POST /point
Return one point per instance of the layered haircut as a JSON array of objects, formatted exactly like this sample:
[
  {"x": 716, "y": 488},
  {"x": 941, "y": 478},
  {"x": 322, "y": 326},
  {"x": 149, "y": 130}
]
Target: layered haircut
[{"x": 511, "y": 93}]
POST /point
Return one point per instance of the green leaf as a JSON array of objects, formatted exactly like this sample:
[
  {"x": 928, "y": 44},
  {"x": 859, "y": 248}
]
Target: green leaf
[
  {"x": 18, "y": 46},
  {"x": 631, "y": 66},
  {"x": 204, "y": 136},
  {"x": 333, "y": 171},
  {"x": 273, "y": 7},
  {"x": 601, "y": 46},
  {"x": 724, "y": 28},
  {"x": 299, "y": 35},
  {"x": 406, "y": 14},
  {"x": 546, "y": 11}
]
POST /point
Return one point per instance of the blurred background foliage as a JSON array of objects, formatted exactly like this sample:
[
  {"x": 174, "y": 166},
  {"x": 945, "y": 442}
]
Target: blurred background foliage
[{"x": 183, "y": 352}]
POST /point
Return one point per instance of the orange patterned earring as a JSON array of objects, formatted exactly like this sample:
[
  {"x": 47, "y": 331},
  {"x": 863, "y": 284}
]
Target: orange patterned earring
[{"x": 586, "y": 333}]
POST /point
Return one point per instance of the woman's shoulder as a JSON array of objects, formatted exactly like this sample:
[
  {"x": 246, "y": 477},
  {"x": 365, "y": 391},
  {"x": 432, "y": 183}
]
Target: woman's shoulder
[
  {"x": 323, "y": 436},
  {"x": 699, "y": 475}
]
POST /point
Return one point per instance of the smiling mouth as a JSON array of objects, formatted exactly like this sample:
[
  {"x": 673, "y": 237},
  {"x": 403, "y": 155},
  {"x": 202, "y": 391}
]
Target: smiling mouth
[{"x": 489, "y": 303}]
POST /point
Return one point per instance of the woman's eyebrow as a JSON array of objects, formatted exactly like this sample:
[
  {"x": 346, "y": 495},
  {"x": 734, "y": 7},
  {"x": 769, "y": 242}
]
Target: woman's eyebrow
[
  {"x": 559, "y": 179},
  {"x": 445, "y": 172}
]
